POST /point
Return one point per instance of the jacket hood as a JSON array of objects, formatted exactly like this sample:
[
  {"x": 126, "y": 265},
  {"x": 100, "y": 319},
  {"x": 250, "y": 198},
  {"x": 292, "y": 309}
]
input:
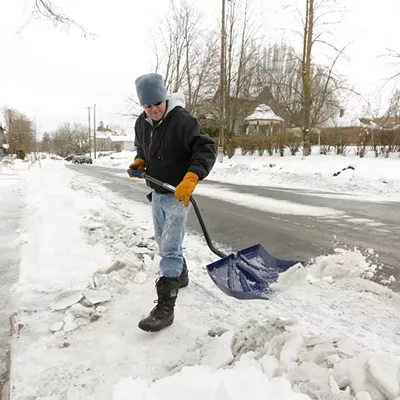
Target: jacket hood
[{"x": 174, "y": 100}]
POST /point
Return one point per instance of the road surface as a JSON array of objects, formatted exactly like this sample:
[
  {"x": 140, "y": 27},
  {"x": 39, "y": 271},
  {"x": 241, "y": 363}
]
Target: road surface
[{"x": 362, "y": 224}]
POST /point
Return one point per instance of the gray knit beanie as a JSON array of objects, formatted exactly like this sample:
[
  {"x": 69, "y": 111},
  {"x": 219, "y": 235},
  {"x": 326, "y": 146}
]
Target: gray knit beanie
[{"x": 150, "y": 89}]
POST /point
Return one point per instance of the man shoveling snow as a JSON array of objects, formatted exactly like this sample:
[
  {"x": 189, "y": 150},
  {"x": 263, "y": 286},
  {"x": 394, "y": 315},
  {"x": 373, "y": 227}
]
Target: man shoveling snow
[{"x": 171, "y": 147}]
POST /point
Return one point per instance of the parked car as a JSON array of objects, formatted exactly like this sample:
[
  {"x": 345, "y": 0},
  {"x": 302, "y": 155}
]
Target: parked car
[
  {"x": 69, "y": 158},
  {"x": 82, "y": 159}
]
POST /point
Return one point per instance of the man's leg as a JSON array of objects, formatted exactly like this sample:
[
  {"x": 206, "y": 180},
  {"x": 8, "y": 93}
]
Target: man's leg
[
  {"x": 172, "y": 236},
  {"x": 158, "y": 217},
  {"x": 170, "y": 218}
]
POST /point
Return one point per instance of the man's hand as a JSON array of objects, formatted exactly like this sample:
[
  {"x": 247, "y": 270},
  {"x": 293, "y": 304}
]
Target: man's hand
[
  {"x": 139, "y": 164},
  {"x": 184, "y": 190}
]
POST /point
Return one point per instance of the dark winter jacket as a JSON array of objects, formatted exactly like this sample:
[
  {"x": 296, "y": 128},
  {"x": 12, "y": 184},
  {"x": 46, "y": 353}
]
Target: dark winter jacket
[{"x": 177, "y": 145}]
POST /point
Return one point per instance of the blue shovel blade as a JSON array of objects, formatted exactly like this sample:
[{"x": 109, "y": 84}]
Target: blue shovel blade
[{"x": 249, "y": 273}]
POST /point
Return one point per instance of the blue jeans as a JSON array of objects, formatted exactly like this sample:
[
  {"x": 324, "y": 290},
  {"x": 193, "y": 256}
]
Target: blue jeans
[{"x": 169, "y": 218}]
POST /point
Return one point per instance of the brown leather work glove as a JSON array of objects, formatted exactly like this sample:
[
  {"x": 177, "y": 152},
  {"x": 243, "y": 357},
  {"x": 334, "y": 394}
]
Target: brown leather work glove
[
  {"x": 139, "y": 164},
  {"x": 184, "y": 190}
]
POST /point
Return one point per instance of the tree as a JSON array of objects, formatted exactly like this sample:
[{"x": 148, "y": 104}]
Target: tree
[
  {"x": 45, "y": 143},
  {"x": 185, "y": 54},
  {"x": 315, "y": 13},
  {"x": 243, "y": 43},
  {"x": 46, "y": 9},
  {"x": 69, "y": 139},
  {"x": 22, "y": 131}
]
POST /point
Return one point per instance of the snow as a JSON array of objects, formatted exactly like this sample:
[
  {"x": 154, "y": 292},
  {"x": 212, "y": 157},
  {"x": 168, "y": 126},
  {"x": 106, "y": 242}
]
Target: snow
[
  {"x": 327, "y": 332},
  {"x": 374, "y": 179}
]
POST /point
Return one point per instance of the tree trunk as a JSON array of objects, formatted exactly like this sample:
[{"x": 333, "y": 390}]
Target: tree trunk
[{"x": 307, "y": 97}]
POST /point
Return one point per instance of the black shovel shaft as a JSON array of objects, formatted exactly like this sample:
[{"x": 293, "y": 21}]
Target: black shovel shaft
[{"x": 196, "y": 210}]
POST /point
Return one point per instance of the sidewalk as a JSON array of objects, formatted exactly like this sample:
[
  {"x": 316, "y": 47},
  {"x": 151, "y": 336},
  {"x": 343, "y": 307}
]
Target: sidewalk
[{"x": 12, "y": 188}]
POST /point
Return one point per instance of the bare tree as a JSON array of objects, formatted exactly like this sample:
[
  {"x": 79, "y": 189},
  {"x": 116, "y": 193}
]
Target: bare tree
[
  {"x": 22, "y": 130},
  {"x": 308, "y": 41},
  {"x": 243, "y": 43},
  {"x": 184, "y": 54},
  {"x": 46, "y": 9}
]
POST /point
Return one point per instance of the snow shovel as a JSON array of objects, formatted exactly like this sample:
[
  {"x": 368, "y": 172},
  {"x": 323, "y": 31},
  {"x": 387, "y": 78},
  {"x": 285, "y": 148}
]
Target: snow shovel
[{"x": 245, "y": 275}]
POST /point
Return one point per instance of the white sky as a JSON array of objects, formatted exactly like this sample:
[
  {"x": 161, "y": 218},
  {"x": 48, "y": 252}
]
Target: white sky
[{"x": 53, "y": 75}]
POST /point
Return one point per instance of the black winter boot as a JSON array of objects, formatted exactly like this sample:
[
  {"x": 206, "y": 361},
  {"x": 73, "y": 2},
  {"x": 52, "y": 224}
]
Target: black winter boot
[
  {"x": 184, "y": 277},
  {"x": 162, "y": 314}
]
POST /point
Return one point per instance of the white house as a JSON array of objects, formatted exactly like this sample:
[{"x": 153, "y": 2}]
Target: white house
[
  {"x": 121, "y": 143},
  {"x": 263, "y": 116}
]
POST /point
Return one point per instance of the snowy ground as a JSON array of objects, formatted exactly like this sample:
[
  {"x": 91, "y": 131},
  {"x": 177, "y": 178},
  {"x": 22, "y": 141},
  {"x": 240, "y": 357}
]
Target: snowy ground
[
  {"x": 87, "y": 276},
  {"x": 12, "y": 187},
  {"x": 372, "y": 179}
]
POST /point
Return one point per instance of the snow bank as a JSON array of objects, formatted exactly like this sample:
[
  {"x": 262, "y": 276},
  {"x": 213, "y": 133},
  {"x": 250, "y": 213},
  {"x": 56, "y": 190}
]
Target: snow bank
[
  {"x": 54, "y": 211},
  {"x": 370, "y": 175},
  {"x": 201, "y": 382},
  {"x": 279, "y": 359},
  {"x": 117, "y": 159}
]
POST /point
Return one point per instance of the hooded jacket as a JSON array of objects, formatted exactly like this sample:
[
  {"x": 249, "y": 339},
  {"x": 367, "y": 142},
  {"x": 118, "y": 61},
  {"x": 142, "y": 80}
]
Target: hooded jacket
[{"x": 175, "y": 146}]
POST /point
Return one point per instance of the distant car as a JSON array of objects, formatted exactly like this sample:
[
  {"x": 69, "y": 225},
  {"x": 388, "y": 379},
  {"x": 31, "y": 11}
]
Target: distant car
[
  {"x": 82, "y": 160},
  {"x": 69, "y": 158}
]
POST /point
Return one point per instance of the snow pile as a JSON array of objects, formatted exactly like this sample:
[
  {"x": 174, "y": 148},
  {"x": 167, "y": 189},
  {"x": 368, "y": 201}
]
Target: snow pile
[
  {"x": 343, "y": 264},
  {"x": 370, "y": 175},
  {"x": 277, "y": 359},
  {"x": 118, "y": 159},
  {"x": 8, "y": 164},
  {"x": 201, "y": 382}
]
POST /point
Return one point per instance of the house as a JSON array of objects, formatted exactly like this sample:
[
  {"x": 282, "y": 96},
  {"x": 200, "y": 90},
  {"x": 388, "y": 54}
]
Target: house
[
  {"x": 346, "y": 119},
  {"x": 109, "y": 141},
  {"x": 122, "y": 143},
  {"x": 264, "y": 120},
  {"x": 103, "y": 142}
]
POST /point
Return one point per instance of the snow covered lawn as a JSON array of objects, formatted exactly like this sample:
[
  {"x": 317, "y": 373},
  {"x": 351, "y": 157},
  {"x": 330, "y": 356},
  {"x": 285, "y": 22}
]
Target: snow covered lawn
[
  {"x": 87, "y": 277},
  {"x": 379, "y": 177}
]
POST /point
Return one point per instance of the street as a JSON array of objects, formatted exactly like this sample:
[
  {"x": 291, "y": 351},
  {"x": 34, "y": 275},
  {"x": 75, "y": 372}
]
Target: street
[{"x": 364, "y": 225}]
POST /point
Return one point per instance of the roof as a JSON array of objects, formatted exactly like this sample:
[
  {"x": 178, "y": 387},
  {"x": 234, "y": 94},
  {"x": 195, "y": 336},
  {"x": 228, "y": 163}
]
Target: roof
[
  {"x": 126, "y": 138},
  {"x": 263, "y": 113},
  {"x": 347, "y": 121},
  {"x": 101, "y": 135}
]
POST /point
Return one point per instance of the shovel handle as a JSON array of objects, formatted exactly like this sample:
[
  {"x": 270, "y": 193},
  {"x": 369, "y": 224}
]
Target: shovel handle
[{"x": 141, "y": 174}]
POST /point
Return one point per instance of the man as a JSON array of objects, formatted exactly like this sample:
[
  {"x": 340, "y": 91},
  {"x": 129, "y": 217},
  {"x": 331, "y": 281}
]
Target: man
[{"x": 172, "y": 148}]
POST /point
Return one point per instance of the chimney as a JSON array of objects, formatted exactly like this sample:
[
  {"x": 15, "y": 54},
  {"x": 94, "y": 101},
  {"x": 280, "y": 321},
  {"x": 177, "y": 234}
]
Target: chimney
[{"x": 341, "y": 112}]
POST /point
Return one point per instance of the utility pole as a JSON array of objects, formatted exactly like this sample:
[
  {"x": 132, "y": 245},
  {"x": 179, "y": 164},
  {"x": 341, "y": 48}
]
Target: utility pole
[
  {"x": 37, "y": 155},
  {"x": 94, "y": 130},
  {"x": 222, "y": 88},
  {"x": 10, "y": 139},
  {"x": 90, "y": 140}
]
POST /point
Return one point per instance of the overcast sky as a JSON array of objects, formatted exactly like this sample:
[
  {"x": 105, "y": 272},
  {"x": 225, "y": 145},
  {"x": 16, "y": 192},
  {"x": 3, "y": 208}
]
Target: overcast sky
[{"x": 53, "y": 75}]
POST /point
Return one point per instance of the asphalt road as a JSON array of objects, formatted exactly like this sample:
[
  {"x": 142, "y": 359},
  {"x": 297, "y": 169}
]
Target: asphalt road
[{"x": 362, "y": 224}]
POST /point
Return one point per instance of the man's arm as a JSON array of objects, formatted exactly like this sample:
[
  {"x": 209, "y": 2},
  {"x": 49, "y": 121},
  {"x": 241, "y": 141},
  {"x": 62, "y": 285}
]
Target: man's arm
[
  {"x": 138, "y": 143},
  {"x": 202, "y": 148}
]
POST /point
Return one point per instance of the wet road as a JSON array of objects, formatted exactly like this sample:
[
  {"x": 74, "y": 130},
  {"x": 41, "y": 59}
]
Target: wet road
[{"x": 301, "y": 237}]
